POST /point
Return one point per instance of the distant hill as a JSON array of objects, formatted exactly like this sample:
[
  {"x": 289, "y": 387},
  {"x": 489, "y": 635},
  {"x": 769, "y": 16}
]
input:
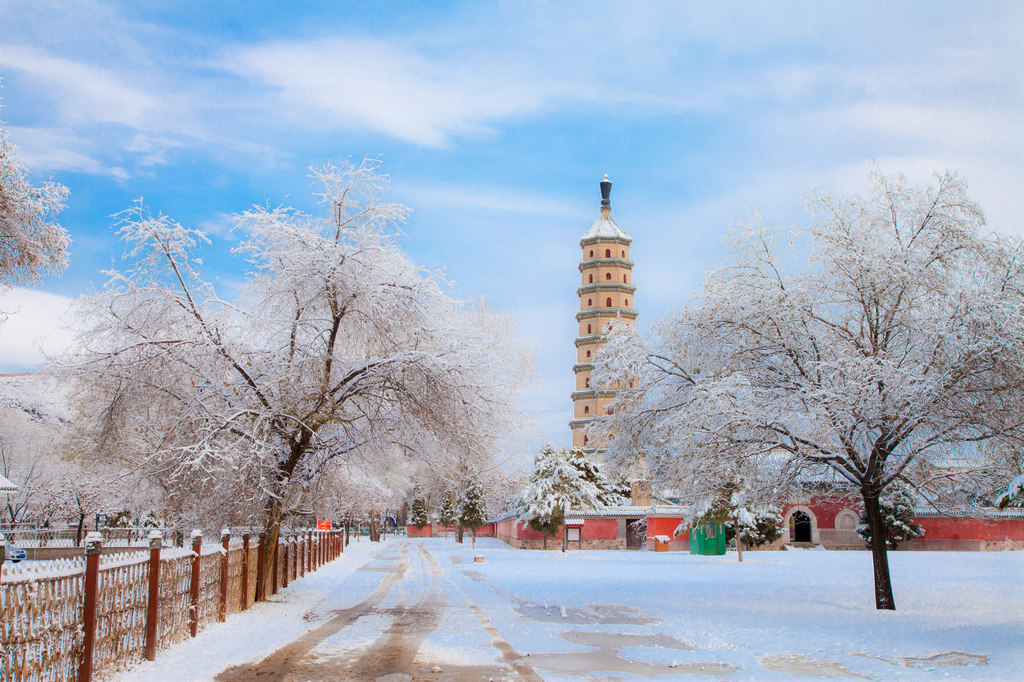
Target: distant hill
[{"x": 41, "y": 397}]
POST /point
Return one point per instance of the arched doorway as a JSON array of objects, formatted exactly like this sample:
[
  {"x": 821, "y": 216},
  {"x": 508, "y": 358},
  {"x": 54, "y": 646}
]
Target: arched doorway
[{"x": 800, "y": 527}]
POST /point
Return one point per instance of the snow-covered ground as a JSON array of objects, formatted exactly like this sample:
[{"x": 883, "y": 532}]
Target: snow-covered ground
[{"x": 586, "y": 615}]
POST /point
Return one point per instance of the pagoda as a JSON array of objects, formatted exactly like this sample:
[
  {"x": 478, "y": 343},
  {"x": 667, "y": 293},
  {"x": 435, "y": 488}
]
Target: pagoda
[{"x": 606, "y": 294}]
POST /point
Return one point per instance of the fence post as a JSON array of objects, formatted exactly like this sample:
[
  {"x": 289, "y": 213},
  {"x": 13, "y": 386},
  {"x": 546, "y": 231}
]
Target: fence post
[
  {"x": 93, "y": 548},
  {"x": 225, "y": 540},
  {"x": 245, "y": 569},
  {"x": 3, "y": 552},
  {"x": 156, "y": 542},
  {"x": 261, "y": 555},
  {"x": 341, "y": 542},
  {"x": 300, "y": 558},
  {"x": 193, "y": 600}
]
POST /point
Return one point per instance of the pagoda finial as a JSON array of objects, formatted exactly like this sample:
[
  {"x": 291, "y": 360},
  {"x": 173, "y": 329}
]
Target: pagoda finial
[{"x": 606, "y": 192}]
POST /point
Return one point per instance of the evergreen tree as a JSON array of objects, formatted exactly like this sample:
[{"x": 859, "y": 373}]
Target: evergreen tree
[
  {"x": 763, "y": 528},
  {"x": 610, "y": 494},
  {"x": 446, "y": 514},
  {"x": 1013, "y": 496},
  {"x": 897, "y": 509},
  {"x": 757, "y": 523},
  {"x": 561, "y": 480},
  {"x": 419, "y": 514},
  {"x": 472, "y": 508}
]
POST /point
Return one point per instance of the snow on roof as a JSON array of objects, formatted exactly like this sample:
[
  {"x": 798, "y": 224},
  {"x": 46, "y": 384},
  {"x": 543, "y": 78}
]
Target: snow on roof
[
  {"x": 606, "y": 228},
  {"x": 6, "y": 485},
  {"x": 672, "y": 510}
]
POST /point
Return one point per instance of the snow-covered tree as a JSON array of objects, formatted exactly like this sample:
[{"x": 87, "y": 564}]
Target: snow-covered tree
[
  {"x": 419, "y": 513},
  {"x": 757, "y": 523},
  {"x": 74, "y": 495},
  {"x": 1013, "y": 496},
  {"x": 759, "y": 528},
  {"x": 338, "y": 351},
  {"x": 901, "y": 341},
  {"x": 472, "y": 506},
  {"x": 31, "y": 241},
  {"x": 897, "y": 507},
  {"x": 20, "y": 462},
  {"x": 562, "y": 479},
  {"x": 446, "y": 513}
]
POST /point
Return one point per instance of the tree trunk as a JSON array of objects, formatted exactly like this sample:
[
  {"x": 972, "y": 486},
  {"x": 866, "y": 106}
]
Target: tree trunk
[
  {"x": 458, "y": 533},
  {"x": 474, "y": 539},
  {"x": 739, "y": 542},
  {"x": 272, "y": 528},
  {"x": 879, "y": 556}
]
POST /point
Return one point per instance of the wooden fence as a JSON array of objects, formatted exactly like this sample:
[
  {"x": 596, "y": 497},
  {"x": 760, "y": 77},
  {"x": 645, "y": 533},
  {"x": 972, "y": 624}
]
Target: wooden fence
[{"x": 73, "y": 619}]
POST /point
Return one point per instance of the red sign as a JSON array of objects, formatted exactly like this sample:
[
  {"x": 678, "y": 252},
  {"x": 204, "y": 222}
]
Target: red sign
[{"x": 323, "y": 524}]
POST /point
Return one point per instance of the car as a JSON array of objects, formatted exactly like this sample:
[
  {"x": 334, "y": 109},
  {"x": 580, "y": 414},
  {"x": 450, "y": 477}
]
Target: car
[{"x": 16, "y": 554}]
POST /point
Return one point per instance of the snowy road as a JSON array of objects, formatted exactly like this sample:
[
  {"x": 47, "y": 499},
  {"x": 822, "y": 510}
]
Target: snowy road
[
  {"x": 424, "y": 610},
  {"x": 411, "y": 602}
]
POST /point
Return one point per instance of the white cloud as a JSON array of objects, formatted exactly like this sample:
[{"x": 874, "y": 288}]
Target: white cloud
[
  {"x": 86, "y": 93},
  {"x": 56, "y": 149},
  {"x": 220, "y": 226},
  {"x": 34, "y": 327},
  {"x": 382, "y": 87},
  {"x": 488, "y": 198}
]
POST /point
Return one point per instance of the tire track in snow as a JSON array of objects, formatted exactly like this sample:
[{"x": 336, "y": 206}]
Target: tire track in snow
[{"x": 279, "y": 664}]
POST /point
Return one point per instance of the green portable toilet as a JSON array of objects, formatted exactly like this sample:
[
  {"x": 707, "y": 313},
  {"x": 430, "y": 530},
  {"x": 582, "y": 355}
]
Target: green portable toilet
[{"x": 708, "y": 539}]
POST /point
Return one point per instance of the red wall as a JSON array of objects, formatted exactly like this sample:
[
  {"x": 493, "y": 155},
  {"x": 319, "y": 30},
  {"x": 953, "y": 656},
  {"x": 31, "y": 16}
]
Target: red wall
[
  {"x": 486, "y": 530},
  {"x": 599, "y": 529},
  {"x": 656, "y": 526},
  {"x": 971, "y": 529},
  {"x": 826, "y": 509}
]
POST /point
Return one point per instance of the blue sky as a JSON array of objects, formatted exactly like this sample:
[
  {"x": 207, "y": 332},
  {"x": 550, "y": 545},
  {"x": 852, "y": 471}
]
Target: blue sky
[{"x": 496, "y": 121}]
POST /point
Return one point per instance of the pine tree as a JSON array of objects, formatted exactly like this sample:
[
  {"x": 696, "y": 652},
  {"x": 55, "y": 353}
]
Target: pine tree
[
  {"x": 610, "y": 494},
  {"x": 446, "y": 514},
  {"x": 757, "y": 523},
  {"x": 763, "y": 528},
  {"x": 561, "y": 480},
  {"x": 897, "y": 509},
  {"x": 419, "y": 513},
  {"x": 472, "y": 508}
]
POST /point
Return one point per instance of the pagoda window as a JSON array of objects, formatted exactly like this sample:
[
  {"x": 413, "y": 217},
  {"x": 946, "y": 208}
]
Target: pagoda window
[
  {"x": 586, "y": 409},
  {"x": 591, "y": 253},
  {"x": 588, "y": 382},
  {"x": 607, "y": 253},
  {"x": 607, "y": 275},
  {"x": 590, "y": 302},
  {"x": 627, "y": 301},
  {"x": 585, "y": 439},
  {"x": 608, "y": 302},
  {"x": 588, "y": 329},
  {"x": 591, "y": 281},
  {"x": 623, "y": 254},
  {"x": 588, "y": 353},
  {"x": 625, "y": 279}
]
